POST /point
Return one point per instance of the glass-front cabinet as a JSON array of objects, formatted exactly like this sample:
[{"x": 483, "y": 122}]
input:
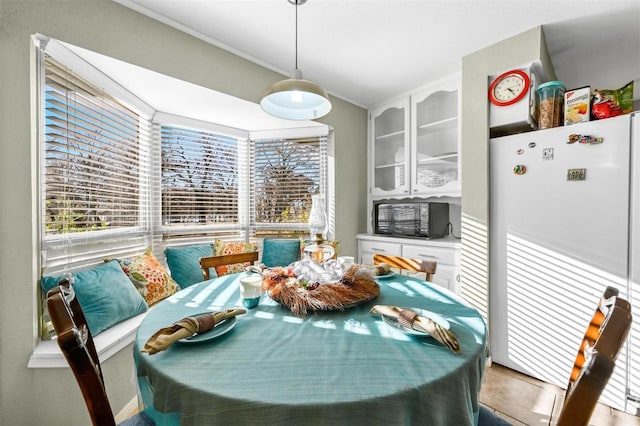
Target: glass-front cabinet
[
  {"x": 434, "y": 140},
  {"x": 414, "y": 144},
  {"x": 390, "y": 151}
]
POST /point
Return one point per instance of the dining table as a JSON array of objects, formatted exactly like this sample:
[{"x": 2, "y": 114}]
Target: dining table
[{"x": 335, "y": 367}]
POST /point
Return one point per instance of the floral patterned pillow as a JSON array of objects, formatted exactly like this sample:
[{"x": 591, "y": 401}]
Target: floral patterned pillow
[
  {"x": 150, "y": 278},
  {"x": 232, "y": 247}
]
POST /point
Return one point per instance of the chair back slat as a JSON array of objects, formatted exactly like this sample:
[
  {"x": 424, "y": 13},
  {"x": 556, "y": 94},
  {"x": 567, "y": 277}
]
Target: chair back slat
[
  {"x": 406, "y": 263},
  {"x": 595, "y": 361},
  {"x": 227, "y": 259}
]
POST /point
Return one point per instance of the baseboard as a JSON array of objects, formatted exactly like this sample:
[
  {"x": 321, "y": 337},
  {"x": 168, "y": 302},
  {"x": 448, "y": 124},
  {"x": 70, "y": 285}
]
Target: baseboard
[{"x": 129, "y": 410}]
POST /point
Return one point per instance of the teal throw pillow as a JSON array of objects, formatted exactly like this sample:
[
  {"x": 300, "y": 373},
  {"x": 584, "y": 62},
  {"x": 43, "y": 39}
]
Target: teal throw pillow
[
  {"x": 184, "y": 263},
  {"x": 280, "y": 252},
  {"x": 105, "y": 294}
]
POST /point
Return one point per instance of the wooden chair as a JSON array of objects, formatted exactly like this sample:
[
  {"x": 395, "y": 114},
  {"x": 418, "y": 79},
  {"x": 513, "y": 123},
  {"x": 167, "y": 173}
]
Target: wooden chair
[
  {"x": 416, "y": 265},
  {"x": 227, "y": 259},
  {"x": 76, "y": 343},
  {"x": 596, "y": 357}
]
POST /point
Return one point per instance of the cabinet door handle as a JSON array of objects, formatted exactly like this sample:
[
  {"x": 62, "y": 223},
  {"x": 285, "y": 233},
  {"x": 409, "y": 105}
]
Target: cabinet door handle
[
  {"x": 428, "y": 256},
  {"x": 378, "y": 249}
]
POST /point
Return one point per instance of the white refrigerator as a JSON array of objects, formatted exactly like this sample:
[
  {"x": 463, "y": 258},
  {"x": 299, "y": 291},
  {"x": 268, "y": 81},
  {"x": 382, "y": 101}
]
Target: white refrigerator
[{"x": 564, "y": 224}]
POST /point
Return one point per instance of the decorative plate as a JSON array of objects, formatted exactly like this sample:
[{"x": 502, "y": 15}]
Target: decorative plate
[
  {"x": 385, "y": 276},
  {"x": 437, "y": 318},
  {"x": 221, "y": 328}
]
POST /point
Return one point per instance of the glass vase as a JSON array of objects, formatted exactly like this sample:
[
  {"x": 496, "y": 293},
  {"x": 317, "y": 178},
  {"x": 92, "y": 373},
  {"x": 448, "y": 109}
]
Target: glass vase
[
  {"x": 318, "y": 223},
  {"x": 318, "y": 250}
]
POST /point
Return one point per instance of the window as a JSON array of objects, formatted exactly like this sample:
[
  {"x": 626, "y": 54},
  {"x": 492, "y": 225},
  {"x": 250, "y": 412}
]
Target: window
[
  {"x": 95, "y": 172},
  {"x": 230, "y": 186},
  {"x": 287, "y": 173},
  {"x": 199, "y": 178}
]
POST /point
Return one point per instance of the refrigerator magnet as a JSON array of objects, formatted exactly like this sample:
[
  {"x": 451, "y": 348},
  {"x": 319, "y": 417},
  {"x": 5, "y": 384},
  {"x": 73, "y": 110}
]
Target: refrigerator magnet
[
  {"x": 585, "y": 139},
  {"x": 576, "y": 174},
  {"x": 520, "y": 169},
  {"x": 591, "y": 140},
  {"x": 520, "y": 151}
]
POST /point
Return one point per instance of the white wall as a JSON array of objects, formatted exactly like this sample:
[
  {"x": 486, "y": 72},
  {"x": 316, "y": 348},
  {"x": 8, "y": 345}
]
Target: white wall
[
  {"x": 51, "y": 396},
  {"x": 476, "y": 67}
]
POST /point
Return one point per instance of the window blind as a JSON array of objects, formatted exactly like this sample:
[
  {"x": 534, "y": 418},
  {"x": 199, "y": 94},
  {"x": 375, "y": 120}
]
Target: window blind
[
  {"x": 200, "y": 179},
  {"x": 286, "y": 173},
  {"x": 95, "y": 176}
]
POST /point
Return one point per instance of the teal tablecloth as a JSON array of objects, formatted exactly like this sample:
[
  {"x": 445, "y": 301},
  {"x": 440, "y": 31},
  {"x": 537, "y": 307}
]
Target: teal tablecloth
[{"x": 330, "y": 368}]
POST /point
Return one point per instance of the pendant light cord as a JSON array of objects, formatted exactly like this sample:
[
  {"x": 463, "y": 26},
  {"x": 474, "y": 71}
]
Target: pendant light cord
[{"x": 296, "y": 34}]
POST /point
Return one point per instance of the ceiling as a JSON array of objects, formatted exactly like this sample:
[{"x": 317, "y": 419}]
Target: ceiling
[
  {"x": 169, "y": 95},
  {"x": 366, "y": 51}
]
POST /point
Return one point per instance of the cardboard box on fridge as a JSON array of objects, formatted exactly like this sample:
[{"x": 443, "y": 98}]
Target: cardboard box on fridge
[{"x": 577, "y": 105}]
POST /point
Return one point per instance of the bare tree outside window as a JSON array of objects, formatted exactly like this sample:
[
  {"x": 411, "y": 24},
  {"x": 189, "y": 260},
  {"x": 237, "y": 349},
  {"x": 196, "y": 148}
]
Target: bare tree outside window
[
  {"x": 92, "y": 171},
  {"x": 199, "y": 178},
  {"x": 287, "y": 173}
]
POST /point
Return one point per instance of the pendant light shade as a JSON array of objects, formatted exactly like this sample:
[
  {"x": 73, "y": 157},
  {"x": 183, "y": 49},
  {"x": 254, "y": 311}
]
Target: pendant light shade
[{"x": 296, "y": 98}]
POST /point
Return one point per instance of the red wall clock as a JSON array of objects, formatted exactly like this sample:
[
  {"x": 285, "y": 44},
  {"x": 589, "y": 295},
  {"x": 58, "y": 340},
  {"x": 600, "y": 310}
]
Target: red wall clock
[{"x": 509, "y": 87}]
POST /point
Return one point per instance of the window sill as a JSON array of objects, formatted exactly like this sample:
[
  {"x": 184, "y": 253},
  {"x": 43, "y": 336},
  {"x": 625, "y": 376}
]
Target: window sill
[{"x": 47, "y": 353}]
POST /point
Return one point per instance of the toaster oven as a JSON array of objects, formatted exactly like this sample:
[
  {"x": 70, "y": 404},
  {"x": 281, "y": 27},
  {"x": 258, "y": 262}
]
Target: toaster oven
[{"x": 416, "y": 219}]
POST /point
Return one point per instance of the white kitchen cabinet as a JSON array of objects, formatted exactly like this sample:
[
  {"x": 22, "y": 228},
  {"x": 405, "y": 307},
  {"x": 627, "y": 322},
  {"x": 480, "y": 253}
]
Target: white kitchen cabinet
[
  {"x": 368, "y": 247},
  {"x": 389, "y": 149},
  {"x": 435, "y": 145},
  {"x": 445, "y": 251},
  {"x": 414, "y": 143},
  {"x": 447, "y": 259}
]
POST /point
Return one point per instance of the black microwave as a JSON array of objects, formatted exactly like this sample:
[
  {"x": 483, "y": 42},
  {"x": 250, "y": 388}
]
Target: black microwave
[{"x": 416, "y": 219}]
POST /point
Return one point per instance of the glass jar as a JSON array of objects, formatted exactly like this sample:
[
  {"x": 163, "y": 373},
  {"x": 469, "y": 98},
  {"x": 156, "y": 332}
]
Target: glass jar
[{"x": 550, "y": 97}]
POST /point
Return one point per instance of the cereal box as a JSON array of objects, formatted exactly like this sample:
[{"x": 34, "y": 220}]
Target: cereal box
[{"x": 577, "y": 104}]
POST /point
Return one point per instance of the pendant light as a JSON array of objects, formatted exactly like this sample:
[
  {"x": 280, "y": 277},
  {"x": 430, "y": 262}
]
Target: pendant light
[{"x": 296, "y": 98}]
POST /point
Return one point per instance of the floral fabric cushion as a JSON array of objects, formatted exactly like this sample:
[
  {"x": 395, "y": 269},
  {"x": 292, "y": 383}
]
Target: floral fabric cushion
[
  {"x": 232, "y": 247},
  {"x": 152, "y": 281},
  {"x": 105, "y": 294}
]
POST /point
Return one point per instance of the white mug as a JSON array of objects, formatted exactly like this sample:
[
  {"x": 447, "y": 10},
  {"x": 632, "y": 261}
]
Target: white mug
[{"x": 250, "y": 290}]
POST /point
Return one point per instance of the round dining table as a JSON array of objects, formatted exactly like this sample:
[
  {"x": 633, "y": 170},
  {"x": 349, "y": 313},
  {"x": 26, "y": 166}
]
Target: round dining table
[{"x": 328, "y": 368}]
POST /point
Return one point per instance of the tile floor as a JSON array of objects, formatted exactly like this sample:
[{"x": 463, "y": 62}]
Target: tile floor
[{"x": 523, "y": 400}]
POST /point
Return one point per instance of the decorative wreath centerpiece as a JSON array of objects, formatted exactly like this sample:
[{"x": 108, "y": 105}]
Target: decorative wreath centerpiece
[{"x": 300, "y": 294}]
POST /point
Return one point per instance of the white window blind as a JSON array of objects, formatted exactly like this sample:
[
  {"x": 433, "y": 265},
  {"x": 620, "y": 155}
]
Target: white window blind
[
  {"x": 95, "y": 176},
  {"x": 286, "y": 173},
  {"x": 200, "y": 180}
]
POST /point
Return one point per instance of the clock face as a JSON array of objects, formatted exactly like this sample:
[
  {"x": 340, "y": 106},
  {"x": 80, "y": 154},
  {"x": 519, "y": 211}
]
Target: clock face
[{"x": 509, "y": 87}]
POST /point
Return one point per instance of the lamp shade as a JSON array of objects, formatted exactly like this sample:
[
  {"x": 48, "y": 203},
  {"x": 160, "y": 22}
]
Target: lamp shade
[{"x": 296, "y": 99}]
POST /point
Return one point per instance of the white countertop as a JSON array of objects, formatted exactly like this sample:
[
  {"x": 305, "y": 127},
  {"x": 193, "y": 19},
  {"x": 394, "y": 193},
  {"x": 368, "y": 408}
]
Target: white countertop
[{"x": 447, "y": 241}]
